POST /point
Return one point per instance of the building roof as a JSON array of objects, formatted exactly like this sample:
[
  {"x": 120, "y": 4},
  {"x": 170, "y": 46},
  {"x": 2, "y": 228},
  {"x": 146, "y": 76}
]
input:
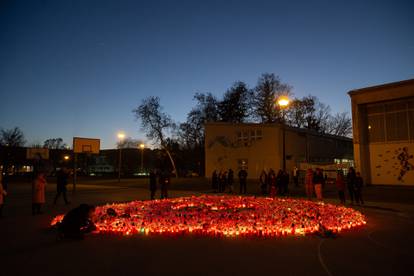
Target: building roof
[
  {"x": 296, "y": 129},
  {"x": 381, "y": 86}
]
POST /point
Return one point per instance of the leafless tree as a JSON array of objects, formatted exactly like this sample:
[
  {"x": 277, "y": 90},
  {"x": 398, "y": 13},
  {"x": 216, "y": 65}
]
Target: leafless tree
[
  {"x": 54, "y": 143},
  {"x": 268, "y": 89},
  {"x": 340, "y": 124},
  {"x": 13, "y": 137},
  {"x": 156, "y": 124}
]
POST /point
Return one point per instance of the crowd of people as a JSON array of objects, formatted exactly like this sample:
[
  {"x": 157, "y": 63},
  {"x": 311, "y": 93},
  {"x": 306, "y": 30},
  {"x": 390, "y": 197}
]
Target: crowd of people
[{"x": 277, "y": 184}]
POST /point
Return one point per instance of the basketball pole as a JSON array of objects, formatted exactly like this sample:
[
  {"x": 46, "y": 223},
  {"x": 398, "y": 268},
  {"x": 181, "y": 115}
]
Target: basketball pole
[{"x": 75, "y": 171}]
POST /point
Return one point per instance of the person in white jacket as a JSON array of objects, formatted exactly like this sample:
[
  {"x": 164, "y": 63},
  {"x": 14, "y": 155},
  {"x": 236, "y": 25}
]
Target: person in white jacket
[{"x": 2, "y": 194}]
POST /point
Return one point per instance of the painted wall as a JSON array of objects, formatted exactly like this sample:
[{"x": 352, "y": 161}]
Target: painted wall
[
  {"x": 392, "y": 163},
  {"x": 223, "y": 150}
]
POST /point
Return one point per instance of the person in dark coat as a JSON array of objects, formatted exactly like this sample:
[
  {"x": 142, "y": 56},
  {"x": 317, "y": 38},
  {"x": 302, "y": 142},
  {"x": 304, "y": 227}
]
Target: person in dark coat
[
  {"x": 263, "y": 182},
  {"x": 359, "y": 182},
  {"x": 285, "y": 182},
  {"x": 230, "y": 180},
  {"x": 215, "y": 181},
  {"x": 77, "y": 222},
  {"x": 340, "y": 185},
  {"x": 61, "y": 182},
  {"x": 153, "y": 184},
  {"x": 350, "y": 181},
  {"x": 243, "y": 181},
  {"x": 164, "y": 181},
  {"x": 223, "y": 181},
  {"x": 279, "y": 182},
  {"x": 272, "y": 183}
]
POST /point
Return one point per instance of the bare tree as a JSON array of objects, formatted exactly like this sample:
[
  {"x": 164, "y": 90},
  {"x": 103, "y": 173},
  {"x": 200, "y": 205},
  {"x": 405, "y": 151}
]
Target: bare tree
[
  {"x": 13, "y": 137},
  {"x": 268, "y": 89},
  {"x": 54, "y": 143},
  {"x": 156, "y": 124},
  {"x": 340, "y": 124}
]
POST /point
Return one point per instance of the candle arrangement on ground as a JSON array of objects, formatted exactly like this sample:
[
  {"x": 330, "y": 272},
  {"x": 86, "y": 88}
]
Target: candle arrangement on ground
[{"x": 224, "y": 216}]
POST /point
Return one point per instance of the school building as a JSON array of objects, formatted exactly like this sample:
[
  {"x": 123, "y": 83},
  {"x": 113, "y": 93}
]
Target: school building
[
  {"x": 260, "y": 146},
  {"x": 383, "y": 130}
]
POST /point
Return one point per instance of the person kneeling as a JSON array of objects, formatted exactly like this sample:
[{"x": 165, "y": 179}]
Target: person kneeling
[{"x": 77, "y": 222}]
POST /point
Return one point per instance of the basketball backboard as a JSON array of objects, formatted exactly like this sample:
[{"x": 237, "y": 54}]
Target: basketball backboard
[
  {"x": 37, "y": 153},
  {"x": 86, "y": 145}
]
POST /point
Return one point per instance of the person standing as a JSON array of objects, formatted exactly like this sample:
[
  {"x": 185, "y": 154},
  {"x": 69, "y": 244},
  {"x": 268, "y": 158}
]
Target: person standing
[
  {"x": 340, "y": 185},
  {"x": 350, "y": 181},
  {"x": 309, "y": 183},
  {"x": 38, "y": 193},
  {"x": 263, "y": 182},
  {"x": 153, "y": 184},
  {"x": 61, "y": 183},
  {"x": 243, "y": 181},
  {"x": 215, "y": 181},
  {"x": 3, "y": 193},
  {"x": 295, "y": 174},
  {"x": 318, "y": 182},
  {"x": 359, "y": 182},
  {"x": 223, "y": 181},
  {"x": 165, "y": 184},
  {"x": 285, "y": 182},
  {"x": 230, "y": 180},
  {"x": 279, "y": 182},
  {"x": 272, "y": 183}
]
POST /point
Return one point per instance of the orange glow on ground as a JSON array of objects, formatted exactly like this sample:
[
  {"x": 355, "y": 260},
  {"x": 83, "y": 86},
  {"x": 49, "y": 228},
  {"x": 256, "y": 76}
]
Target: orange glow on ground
[{"x": 225, "y": 216}]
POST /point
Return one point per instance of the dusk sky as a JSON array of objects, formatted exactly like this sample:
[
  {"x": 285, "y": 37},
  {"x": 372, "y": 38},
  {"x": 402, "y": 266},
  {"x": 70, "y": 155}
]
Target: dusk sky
[{"x": 78, "y": 68}]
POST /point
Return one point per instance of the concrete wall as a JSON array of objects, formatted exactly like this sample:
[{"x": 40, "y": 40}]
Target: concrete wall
[{"x": 392, "y": 163}]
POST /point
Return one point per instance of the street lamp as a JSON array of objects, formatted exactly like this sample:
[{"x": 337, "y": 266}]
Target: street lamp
[
  {"x": 66, "y": 157},
  {"x": 121, "y": 137},
  {"x": 283, "y": 103},
  {"x": 142, "y": 146}
]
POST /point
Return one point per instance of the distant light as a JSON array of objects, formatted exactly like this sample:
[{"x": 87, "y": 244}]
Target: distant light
[
  {"x": 369, "y": 127},
  {"x": 121, "y": 135},
  {"x": 283, "y": 101},
  {"x": 66, "y": 157},
  {"x": 141, "y": 146}
]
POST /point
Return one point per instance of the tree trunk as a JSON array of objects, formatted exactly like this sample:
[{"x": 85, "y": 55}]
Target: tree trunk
[{"x": 172, "y": 162}]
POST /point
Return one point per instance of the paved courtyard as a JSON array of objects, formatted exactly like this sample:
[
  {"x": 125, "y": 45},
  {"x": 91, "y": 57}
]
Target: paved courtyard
[{"x": 29, "y": 246}]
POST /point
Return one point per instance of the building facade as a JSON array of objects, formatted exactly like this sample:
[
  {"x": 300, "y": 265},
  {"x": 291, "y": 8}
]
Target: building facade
[
  {"x": 258, "y": 147},
  {"x": 383, "y": 129}
]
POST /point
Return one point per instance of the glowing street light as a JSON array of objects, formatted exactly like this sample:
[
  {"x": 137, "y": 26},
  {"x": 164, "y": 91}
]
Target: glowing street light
[
  {"x": 121, "y": 137},
  {"x": 283, "y": 102},
  {"x": 66, "y": 157},
  {"x": 142, "y": 147}
]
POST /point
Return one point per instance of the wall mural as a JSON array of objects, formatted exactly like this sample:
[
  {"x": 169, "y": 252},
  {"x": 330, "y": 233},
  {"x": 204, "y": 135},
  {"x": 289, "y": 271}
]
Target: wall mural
[
  {"x": 396, "y": 162},
  {"x": 404, "y": 157}
]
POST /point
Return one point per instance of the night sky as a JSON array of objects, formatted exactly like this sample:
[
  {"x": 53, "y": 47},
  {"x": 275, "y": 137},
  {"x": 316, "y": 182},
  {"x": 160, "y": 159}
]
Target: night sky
[{"x": 78, "y": 68}]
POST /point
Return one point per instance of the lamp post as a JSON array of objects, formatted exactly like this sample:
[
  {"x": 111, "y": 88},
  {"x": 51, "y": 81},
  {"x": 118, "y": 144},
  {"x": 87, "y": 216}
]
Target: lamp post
[
  {"x": 283, "y": 103},
  {"x": 142, "y": 146},
  {"x": 121, "y": 137}
]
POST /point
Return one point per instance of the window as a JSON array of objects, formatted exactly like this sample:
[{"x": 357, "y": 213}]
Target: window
[
  {"x": 376, "y": 128},
  {"x": 243, "y": 163},
  {"x": 256, "y": 134},
  {"x": 397, "y": 126},
  {"x": 391, "y": 121},
  {"x": 411, "y": 123}
]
